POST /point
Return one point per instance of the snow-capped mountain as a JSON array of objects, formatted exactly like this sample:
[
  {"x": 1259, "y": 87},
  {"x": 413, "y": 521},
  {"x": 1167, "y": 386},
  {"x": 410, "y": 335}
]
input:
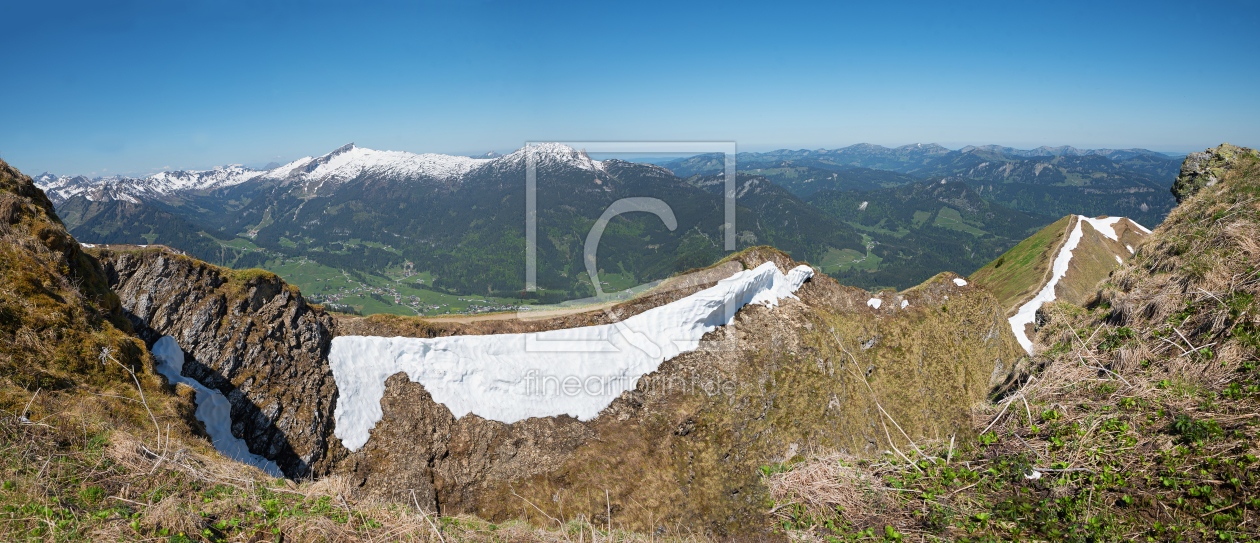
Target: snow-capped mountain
[
  {"x": 344, "y": 164},
  {"x": 546, "y": 156},
  {"x": 350, "y": 162},
  {"x": 134, "y": 189}
]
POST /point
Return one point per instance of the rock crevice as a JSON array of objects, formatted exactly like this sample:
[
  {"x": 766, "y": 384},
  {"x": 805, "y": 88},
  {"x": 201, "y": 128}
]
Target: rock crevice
[{"x": 246, "y": 334}]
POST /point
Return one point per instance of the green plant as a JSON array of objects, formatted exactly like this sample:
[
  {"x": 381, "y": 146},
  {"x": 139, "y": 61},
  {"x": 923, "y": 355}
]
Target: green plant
[
  {"x": 891, "y": 534},
  {"x": 1114, "y": 339},
  {"x": 1194, "y": 431},
  {"x": 92, "y": 494}
]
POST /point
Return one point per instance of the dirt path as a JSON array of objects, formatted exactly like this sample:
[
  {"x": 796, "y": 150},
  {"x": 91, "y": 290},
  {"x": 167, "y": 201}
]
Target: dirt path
[{"x": 521, "y": 315}]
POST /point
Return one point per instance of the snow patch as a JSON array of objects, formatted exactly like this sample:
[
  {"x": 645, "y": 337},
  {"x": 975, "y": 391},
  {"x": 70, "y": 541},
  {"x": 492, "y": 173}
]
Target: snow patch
[
  {"x": 960, "y": 281},
  {"x": 1140, "y": 227},
  {"x": 863, "y": 206},
  {"x": 1105, "y": 227},
  {"x": 905, "y": 303},
  {"x": 1028, "y": 311},
  {"x": 1119, "y": 260},
  {"x": 875, "y": 302},
  {"x": 1130, "y": 248},
  {"x": 213, "y": 408},
  {"x": 512, "y": 377}
]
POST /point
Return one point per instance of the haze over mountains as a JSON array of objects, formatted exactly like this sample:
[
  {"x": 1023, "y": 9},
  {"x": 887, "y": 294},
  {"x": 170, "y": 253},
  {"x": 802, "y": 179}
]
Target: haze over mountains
[{"x": 403, "y": 232}]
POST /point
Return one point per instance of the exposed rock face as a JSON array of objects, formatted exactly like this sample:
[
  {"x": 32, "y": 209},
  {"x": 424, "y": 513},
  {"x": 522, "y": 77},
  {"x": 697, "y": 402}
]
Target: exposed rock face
[
  {"x": 247, "y": 334},
  {"x": 1207, "y": 168},
  {"x": 684, "y": 448}
]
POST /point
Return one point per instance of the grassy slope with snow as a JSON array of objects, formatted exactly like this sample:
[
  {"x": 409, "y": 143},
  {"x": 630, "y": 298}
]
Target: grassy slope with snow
[{"x": 1139, "y": 421}]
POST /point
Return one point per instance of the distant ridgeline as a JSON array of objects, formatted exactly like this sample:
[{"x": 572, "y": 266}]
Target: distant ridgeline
[
  {"x": 1053, "y": 181},
  {"x": 384, "y": 231}
]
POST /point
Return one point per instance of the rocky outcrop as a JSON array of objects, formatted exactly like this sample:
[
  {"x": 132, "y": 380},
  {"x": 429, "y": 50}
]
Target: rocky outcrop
[
  {"x": 246, "y": 334},
  {"x": 1207, "y": 168}
]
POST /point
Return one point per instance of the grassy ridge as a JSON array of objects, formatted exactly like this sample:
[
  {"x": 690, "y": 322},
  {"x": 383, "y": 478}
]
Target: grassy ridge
[
  {"x": 1138, "y": 421},
  {"x": 1015, "y": 275}
]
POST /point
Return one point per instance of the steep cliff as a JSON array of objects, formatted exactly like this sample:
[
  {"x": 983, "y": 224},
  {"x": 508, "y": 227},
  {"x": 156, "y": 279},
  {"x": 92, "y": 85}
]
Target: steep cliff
[
  {"x": 1207, "y": 168},
  {"x": 246, "y": 334}
]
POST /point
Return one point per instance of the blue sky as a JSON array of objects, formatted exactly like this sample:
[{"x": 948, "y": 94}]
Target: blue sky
[{"x": 133, "y": 87}]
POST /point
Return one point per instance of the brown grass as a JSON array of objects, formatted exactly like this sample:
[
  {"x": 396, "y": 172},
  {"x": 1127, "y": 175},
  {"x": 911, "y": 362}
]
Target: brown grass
[
  {"x": 826, "y": 485},
  {"x": 1140, "y": 396}
]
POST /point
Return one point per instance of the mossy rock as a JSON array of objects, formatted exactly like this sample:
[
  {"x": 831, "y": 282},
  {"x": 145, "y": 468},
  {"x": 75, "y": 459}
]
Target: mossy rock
[{"x": 1207, "y": 168}]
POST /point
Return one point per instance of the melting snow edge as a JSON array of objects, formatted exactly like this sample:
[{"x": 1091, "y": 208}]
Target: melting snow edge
[{"x": 512, "y": 377}]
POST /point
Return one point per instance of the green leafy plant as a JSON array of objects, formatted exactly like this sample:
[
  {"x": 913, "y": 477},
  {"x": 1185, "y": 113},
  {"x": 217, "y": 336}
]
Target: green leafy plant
[
  {"x": 1114, "y": 339},
  {"x": 1195, "y": 431}
]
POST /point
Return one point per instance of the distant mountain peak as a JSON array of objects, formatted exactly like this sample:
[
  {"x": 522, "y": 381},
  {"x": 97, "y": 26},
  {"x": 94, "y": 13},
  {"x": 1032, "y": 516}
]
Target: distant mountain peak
[{"x": 550, "y": 154}]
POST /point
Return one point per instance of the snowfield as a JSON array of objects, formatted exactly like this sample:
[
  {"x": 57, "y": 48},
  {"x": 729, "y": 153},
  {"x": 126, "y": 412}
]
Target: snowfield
[
  {"x": 512, "y": 377},
  {"x": 213, "y": 408}
]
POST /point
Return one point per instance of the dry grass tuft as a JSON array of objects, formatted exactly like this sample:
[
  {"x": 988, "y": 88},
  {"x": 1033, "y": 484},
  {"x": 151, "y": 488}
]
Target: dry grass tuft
[
  {"x": 173, "y": 514},
  {"x": 826, "y": 485},
  {"x": 333, "y": 486}
]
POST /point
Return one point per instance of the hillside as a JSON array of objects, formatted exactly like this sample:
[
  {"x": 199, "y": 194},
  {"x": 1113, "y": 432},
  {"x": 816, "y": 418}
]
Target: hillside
[
  {"x": 1135, "y": 421},
  {"x": 250, "y": 337},
  {"x": 84, "y": 409},
  {"x": 1053, "y": 181},
  {"x": 1093, "y": 184},
  {"x": 806, "y": 177},
  {"x": 1134, "y": 416},
  {"x": 1064, "y": 261},
  {"x": 384, "y": 231},
  {"x": 124, "y": 222},
  {"x": 916, "y": 230},
  {"x": 474, "y": 465}
]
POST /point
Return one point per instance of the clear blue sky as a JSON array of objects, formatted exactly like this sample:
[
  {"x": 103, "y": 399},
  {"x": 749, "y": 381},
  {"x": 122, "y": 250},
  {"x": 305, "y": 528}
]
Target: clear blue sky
[{"x": 131, "y": 87}]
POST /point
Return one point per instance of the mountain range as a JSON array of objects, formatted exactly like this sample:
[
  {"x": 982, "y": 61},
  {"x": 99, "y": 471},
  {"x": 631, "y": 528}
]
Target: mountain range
[
  {"x": 418, "y": 233},
  {"x": 1053, "y": 181}
]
